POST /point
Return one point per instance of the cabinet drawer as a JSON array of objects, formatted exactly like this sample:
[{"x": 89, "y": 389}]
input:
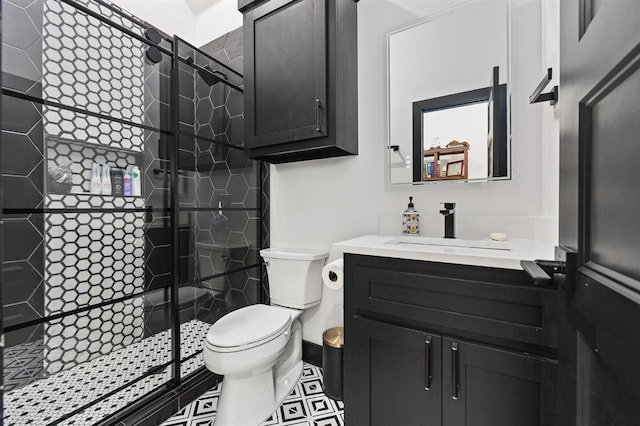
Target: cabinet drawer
[{"x": 484, "y": 301}]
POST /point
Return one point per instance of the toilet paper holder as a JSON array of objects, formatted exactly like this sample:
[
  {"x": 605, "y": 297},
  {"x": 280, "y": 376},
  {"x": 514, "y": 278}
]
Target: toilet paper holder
[{"x": 333, "y": 274}]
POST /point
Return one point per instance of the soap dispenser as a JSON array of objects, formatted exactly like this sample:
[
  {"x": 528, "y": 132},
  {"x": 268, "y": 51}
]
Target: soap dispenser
[{"x": 411, "y": 219}]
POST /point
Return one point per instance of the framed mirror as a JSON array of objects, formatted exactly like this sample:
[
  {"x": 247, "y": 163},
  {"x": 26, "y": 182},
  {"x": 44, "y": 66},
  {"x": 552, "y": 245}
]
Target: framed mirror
[{"x": 448, "y": 95}]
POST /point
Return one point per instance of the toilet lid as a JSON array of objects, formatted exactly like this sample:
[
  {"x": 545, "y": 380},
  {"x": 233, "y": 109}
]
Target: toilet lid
[{"x": 248, "y": 325}]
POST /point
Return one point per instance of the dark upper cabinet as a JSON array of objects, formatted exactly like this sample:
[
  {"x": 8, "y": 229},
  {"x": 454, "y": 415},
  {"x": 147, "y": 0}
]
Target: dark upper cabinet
[
  {"x": 300, "y": 88},
  {"x": 396, "y": 379}
]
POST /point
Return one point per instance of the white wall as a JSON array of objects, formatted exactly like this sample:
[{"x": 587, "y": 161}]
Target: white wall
[
  {"x": 316, "y": 203},
  {"x": 176, "y": 17},
  {"x": 216, "y": 21},
  {"x": 170, "y": 16}
]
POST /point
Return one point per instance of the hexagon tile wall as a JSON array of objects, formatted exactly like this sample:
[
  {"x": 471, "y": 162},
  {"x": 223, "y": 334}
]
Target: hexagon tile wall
[
  {"x": 96, "y": 257},
  {"x": 92, "y": 258},
  {"x": 95, "y": 67}
]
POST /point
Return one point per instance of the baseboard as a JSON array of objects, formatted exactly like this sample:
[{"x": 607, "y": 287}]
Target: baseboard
[
  {"x": 161, "y": 406},
  {"x": 312, "y": 353}
]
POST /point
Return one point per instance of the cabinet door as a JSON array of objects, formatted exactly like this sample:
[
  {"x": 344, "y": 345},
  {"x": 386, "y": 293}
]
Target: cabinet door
[
  {"x": 484, "y": 386},
  {"x": 285, "y": 72},
  {"x": 395, "y": 375}
]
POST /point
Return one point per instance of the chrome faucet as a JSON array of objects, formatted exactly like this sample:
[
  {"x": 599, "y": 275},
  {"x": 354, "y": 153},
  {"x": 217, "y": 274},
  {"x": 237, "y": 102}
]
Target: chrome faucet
[{"x": 449, "y": 224}]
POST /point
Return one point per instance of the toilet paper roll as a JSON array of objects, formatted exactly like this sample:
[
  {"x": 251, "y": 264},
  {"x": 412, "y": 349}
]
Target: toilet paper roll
[{"x": 333, "y": 274}]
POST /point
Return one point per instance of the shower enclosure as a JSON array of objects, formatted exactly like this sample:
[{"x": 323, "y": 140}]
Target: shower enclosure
[{"x": 107, "y": 293}]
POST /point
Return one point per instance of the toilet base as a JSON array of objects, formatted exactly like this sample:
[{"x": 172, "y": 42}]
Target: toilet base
[{"x": 262, "y": 394}]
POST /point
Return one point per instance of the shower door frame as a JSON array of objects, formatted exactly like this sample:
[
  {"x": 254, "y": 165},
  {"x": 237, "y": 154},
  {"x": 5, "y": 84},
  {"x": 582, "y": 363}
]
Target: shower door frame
[{"x": 160, "y": 395}]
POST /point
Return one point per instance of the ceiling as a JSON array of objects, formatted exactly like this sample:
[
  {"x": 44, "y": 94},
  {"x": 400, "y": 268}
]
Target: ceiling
[
  {"x": 199, "y": 6},
  {"x": 421, "y": 8}
]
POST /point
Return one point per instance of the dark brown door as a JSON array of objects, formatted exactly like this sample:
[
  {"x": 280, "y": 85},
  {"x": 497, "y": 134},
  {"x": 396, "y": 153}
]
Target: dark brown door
[
  {"x": 599, "y": 211},
  {"x": 285, "y": 72},
  {"x": 484, "y": 386},
  {"x": 397, "y": 375}
]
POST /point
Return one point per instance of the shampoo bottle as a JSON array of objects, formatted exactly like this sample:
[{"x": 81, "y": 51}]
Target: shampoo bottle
[
  {"x": 127, "y": 183},
  {"x": 106, "y": 180},
  {"x": 136, "y": 185},
  {"x": 411, "y": 219},
  {"x": 117, "y": 182},
  {"x": 96, "y": 180}
]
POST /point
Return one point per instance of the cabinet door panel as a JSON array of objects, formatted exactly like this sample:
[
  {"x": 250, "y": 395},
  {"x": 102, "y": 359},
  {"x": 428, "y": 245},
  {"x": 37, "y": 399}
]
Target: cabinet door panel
[
  {"x": 392, "y": 367},
  {"x": 483, "y": 386},
  {"x": 285, "y": 72}
]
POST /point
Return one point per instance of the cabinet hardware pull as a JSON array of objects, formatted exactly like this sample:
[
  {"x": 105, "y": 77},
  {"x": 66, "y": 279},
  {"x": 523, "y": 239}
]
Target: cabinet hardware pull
[
  {"x": 317, "y": 115},
  {"x": 454, "y": 371},
  {"x": 427, "y": 363}
]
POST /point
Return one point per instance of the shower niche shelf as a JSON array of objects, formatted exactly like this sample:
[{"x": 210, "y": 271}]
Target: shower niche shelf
[
  {"x": 79, "y": 156},
  {"x": 93, "y": 201}
]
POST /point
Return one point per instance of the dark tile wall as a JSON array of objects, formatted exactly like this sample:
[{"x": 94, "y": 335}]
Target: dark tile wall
[
  {"x": 228, "y": 50},
  {"x": 22, "y": 168},
  {"x": 211, "y": 174},
  {"x": 157, "y": 179}
]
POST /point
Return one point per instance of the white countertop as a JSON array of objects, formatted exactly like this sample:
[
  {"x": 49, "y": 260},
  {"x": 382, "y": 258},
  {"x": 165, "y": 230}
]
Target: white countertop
[{"x": 378, "y": 245}]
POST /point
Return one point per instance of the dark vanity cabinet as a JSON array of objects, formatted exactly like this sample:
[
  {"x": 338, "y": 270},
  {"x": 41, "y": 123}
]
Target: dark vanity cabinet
[
  {"x": 440, "y": 344},
  {"x": 300, "y": 79},
  {"x": 393, "y": 374}
]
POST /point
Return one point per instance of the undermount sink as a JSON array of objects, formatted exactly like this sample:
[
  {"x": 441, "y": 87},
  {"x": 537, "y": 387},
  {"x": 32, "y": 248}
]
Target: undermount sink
[{"x": 452, "y": 242}]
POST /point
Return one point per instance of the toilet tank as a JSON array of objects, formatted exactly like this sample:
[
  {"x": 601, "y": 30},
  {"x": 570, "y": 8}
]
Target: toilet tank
[{"x": 295, "y": 276}]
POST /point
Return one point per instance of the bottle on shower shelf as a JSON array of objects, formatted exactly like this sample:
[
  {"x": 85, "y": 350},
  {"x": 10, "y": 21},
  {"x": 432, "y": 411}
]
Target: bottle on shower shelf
[
  {"x": 136, "y": 185},
  {"x": 96, "y": 180},
  {"x": 106, "y": 180},
  {"x": 127, "y": 182}
]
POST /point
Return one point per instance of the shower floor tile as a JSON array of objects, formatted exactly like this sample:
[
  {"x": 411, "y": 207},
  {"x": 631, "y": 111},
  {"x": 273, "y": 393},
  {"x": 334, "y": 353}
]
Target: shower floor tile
[
  {"x": 44, "y": 401},
  {"x": 23, "y": 364},
  {"x": 306, "y": 405}
]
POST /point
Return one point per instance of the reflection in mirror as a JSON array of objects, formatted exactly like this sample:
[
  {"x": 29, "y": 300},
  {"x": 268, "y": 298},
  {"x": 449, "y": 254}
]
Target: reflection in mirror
[
  {"x": 448, "y": 95},
  {"x": 444, "y": 125},
  {"x": 445, "y": 129}
]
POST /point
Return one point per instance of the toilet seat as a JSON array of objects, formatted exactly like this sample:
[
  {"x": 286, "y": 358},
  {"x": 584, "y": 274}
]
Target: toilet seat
[{"x": 248, "y": 327}]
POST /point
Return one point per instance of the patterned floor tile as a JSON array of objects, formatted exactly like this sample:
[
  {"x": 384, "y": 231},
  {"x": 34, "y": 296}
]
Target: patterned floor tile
[
  {"x": 23, "y": 364},
  {"x": 46, "y": 400},
  {"x": 305, "y": 406}
]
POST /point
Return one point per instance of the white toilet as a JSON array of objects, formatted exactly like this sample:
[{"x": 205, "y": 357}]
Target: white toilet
[{"x": 258, "y": 348}]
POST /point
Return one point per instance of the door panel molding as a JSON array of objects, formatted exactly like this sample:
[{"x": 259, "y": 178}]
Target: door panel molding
[
  {"x": 627, "y": 287},
  {"x": 607, "y": 197},
  {"x": 599, "y": 81},
  {"x": 586, "y": 15},
  {"x": 611, "y": 333}
]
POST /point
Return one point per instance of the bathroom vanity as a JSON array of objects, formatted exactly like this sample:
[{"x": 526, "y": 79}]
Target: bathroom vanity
[{"x": 445, "y": 335}]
